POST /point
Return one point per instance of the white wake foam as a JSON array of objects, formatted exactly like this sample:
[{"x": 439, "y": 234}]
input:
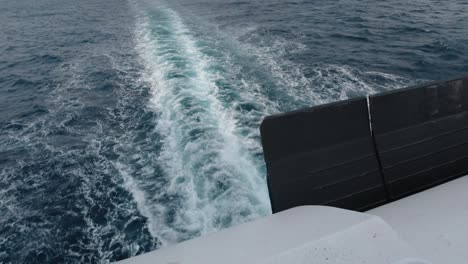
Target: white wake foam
[
  {"x": 209, "y": 103},
  {"x": 211, "y": 181},
  {"x": 306, "y": 85}
]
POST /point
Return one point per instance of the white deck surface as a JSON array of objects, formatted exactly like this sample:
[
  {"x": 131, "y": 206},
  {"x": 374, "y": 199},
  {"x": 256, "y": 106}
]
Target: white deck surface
[
  {"x": 434, "y": 222},
  {"x": 432, "y": 225},
  {"x": 308, "y": 234}
]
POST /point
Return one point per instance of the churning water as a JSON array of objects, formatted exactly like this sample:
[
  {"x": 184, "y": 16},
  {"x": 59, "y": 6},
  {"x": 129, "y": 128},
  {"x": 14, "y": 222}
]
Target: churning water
[{"x": 129, "y": 125}]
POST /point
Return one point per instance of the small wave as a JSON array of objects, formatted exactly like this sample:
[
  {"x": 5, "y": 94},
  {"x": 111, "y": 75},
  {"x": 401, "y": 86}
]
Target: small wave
[{"x": 350, "y": 37}]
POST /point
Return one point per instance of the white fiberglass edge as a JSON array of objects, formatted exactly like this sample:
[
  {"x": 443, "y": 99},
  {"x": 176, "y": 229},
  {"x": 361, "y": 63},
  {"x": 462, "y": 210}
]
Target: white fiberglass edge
[
  {"x": 434, "y": 222},
  {"x": 307, "y": 234}
]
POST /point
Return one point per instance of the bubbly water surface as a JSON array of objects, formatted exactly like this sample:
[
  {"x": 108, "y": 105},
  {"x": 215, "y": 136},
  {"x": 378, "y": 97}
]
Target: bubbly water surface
[{"x": 130, "y": 125}]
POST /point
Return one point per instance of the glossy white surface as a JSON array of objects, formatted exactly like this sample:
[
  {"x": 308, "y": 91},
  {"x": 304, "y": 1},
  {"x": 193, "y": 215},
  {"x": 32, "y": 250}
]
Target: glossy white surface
[
  {"x": 434, "y": 222},
  {"x": 308, "y": 234},
  {"x": 432, "y": 225}
]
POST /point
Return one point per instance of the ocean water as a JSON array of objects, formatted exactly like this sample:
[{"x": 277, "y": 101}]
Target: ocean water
[{"x": 130, "y": 125}]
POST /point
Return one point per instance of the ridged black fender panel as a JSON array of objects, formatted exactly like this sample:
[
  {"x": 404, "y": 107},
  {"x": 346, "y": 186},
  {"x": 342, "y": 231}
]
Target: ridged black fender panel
[
  {"x": 322, "y": 155},
  {"x": 421, "y": 135}
]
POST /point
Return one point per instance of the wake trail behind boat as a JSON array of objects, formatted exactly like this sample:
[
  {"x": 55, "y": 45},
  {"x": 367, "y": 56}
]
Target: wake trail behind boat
[{"x": 209, "y": 180}]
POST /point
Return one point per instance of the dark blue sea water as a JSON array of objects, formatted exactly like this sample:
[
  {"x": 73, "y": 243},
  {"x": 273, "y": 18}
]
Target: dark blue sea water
[{"x": 129, "y": 125}]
